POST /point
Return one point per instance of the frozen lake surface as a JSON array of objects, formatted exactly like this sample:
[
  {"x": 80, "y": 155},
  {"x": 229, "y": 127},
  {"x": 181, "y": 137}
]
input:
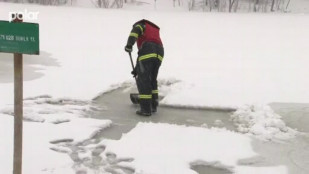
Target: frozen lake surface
[
  {"x": 116, "y": 106},
  {"x": 294, "y": 154}
]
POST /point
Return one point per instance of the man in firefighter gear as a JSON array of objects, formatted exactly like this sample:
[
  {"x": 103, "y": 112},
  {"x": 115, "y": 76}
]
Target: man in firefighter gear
[{"x": 150, "y": 56}]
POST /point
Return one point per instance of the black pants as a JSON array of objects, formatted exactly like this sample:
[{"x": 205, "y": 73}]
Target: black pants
[{"x": 147, "y": 72}]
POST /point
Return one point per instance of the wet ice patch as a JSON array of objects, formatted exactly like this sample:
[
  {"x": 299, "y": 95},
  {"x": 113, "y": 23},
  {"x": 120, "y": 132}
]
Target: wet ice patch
[
  {"x": 262, "y": 122},
  {"x": 261, "y": 170},
  {"x": 165, "y": 86},
  {"x": 203, "y": 167}
]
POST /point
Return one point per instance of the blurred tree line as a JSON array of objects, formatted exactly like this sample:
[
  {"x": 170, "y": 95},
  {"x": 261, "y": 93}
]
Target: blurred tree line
[
  {"x": 239, "y": 5},
  {"x": 97, "y": 3},
  {"x": 204, "y": 5},
  {"x": 43, "y": 2}
]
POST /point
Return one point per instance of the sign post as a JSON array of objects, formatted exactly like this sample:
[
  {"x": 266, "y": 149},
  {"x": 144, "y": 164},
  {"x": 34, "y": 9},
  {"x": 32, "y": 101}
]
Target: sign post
[
  {"x": 18, "y": 112},
  {"x": 18, "y": 38}
]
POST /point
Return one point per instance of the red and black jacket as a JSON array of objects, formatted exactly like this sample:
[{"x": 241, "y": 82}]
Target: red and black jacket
[{"x": 147, "y": 36}]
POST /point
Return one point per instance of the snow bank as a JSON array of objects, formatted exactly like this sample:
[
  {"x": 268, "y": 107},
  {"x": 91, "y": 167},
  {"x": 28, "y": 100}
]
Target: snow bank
[
  {"x": 184, "y": 94},
  {"x": 262, "y": 122}
]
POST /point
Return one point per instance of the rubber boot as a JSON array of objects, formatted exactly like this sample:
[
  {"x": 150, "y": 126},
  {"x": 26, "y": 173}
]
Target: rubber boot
[
  {"x": 145, "y": 107},
  {"x": 154, "y": 103}
]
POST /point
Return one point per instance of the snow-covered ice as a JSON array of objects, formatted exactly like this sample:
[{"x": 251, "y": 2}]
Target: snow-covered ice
[
  {"x": 165, "y": 148},
  {"x": 212, "y": 59},
  {"x": 37, "y": 155}
]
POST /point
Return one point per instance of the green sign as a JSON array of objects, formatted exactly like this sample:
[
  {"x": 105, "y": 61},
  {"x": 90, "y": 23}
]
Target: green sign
[{"x": 19, "y": 38}]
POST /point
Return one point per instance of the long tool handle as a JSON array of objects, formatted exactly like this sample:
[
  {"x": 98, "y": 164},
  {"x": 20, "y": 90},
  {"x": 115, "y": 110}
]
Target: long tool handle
[{"x": 132, "y": 63}]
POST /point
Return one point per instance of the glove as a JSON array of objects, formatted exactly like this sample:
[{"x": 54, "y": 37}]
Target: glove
[
  {"x": 134, "y": 73},
  {"x": 128, "y": 48}
]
